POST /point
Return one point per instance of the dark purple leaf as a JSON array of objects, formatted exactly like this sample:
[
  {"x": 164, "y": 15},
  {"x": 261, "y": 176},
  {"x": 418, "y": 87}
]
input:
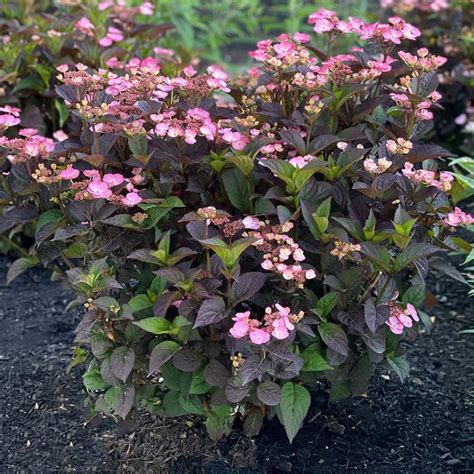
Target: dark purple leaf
[
  {"x": 247, "y": 286},
  {"x": 211, "y": 311},
  {"x": 121, "y": 362},
  {"x": 269, "y": 393}
]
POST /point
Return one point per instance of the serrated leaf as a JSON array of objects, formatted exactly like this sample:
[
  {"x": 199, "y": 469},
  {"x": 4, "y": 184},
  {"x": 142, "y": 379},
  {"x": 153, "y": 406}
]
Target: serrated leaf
[{"x": 293, "y": 408}]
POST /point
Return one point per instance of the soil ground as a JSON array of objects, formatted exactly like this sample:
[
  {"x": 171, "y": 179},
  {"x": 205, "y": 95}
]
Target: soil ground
[{"x": 424, "y": 425}]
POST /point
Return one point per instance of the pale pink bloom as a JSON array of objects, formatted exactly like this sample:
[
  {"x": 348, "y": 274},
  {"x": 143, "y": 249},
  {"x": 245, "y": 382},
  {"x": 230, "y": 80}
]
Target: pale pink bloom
[
  {"x": 85, "y": 26},
  {"x": 189, "y": 71},
  {"x": 310, "y": 274},
  {"x": 15, "y": 111},
  {"x": 458, "y": 217},
  {"x": 259, "y": 336},
  {"x": 298, "y": 162},
  {"x": 69, "y": 173},
  {"x": 163, "y": 51},
  {"x": 323, "y": 26},
  {"x": 267, "y": 264},
  {"x": 284, "y": 49},
  {"x": 244, "y": 315},
  {"x": 131, "y": 199},
  {"x": 301, "y": 37},
  {"x": 94, "y": 174},
  {"x": 239, "y": 330},
  {"x": 280, "y": 331},
  {"x": 424, "y": 114},
  {"x": 99, "y": 189},
  {"x": 251, "y": 222},
  {"x": 146, "y": 8},
  {"x": 8, "y": 121},
  {"x": 113, "y": 179},
  {"x": 60, "y": 136}
]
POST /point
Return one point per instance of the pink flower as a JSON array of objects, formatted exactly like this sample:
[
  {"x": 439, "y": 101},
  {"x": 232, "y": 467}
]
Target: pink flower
[
  {"x": 323, "y": 26},
  {"x": 94, "y": 174},
  {"x": 69, "y": 173},
  {"x": 239, "y": 330},
  {"x": 301, "y": 37},
  {"x": 85, "y": 26},
  {"x": 131, "y": 199},
  {"x": 310, "y": 274},
  {"x": 283, "y": 49},
  {"x": 113, "y": 179},
  {"x": 259, "y": 336},
  {"x": 251, "y": 222},
  {"x": 99, "y": 189},
  {"x": 267, "y": 264},
  {"x": 60, "y": 136},
  {"x": 146, "y": 8},
  {"x": 8, "y": 121},
  {"x": 458, "y": 217},
  {"x": 401, "y": 318},
  {"x": 113, "y": 35}
]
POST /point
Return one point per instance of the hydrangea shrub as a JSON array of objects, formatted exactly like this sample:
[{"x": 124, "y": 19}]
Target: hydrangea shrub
[{"x": 236, "y": 244}]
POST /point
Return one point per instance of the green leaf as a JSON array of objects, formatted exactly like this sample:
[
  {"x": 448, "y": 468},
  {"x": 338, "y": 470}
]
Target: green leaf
[
  {"x": 321, "y": 216},
  {"x": 243, "y": 162},
  {"x": 326, "y": 304},
  {"x": 19, "y": 266},
  {"x": 219, "y": 422},
  {"x": 400, "y": 366},
  {"x": 156, "y": 326},
  {"x": 48, "y": 217},
  {"x": 314, "y": 360},
  {"x": 339, "y": 390},
  {"x": 293, "y": 408},
  {"x": 62, "y": 110},
  {"x": 140, "y": 302},
  {"x": 238, "y": 187},
  {"x": 93, "y": 380},
  {"x": 414, "y": 295},
  {"x": 377, "y": 254}
]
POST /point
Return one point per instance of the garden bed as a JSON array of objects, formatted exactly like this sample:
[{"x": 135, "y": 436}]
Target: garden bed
[{"x": 423, "y": 425}]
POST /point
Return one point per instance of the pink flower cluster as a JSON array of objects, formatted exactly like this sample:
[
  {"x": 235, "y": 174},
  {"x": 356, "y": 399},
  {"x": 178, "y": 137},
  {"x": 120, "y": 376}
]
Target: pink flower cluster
[
  {"x": 458, "y": 217},
  {"x": 407, "y": 99},
  {"x": 377, "y": 166},
  {"x": 282, "y": 254},
  {"x": 101, "y": 188},
  {"x": 30, "y": 145},
  {"x": 84, "y": 25},
  {"x": 394, "y": 31},
  {"x": 428, "y": 177},
  {"x": 120, "y": 8},
  {"x": 424, "y": 61},
  {"x": 10, "y": 117},
  {"x": 196, "y": 122},
  {"x": 113, "y": 35},
  {"x": 277, "y": 323},
  {"x": 401, "y": 318},
  {"x": 404, "y": 6}
]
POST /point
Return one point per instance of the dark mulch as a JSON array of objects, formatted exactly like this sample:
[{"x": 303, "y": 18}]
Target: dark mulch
[{"x": 425, "y": 425}]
